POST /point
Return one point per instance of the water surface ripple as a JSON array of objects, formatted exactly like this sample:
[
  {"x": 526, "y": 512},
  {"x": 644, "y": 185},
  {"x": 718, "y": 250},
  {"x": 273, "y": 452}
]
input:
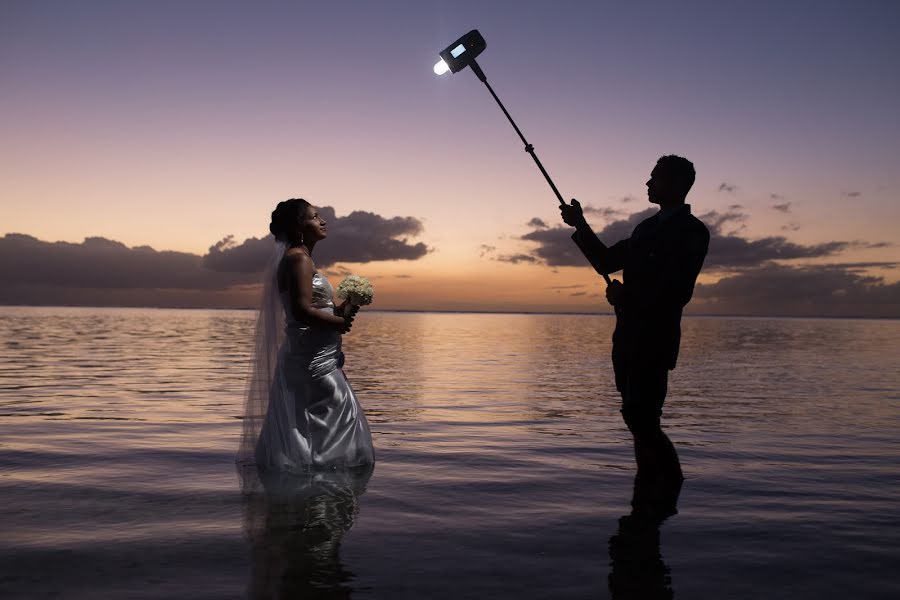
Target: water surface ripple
[{"x": 503, "y": 464}]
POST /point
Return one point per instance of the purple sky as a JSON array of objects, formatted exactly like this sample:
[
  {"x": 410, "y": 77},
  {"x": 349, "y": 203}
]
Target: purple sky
[{"x": 175, "y": 124}]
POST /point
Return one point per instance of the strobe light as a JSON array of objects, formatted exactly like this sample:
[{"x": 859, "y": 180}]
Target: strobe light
[{"x": 461, "y": 53}]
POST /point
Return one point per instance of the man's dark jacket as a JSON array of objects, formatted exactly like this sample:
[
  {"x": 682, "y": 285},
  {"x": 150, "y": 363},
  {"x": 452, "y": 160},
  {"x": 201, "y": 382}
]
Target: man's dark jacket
[{"x": 660, "y": 263}]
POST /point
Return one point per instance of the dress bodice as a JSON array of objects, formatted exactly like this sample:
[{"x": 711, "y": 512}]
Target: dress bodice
[
  {"x": 323, "y": 293},
  {"x": 317, "y": 348},
  {"x": 322, "y": 299}
]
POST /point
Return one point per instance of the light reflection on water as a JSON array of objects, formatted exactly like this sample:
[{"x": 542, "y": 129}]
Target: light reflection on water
[{"x": 503, "y": 462}]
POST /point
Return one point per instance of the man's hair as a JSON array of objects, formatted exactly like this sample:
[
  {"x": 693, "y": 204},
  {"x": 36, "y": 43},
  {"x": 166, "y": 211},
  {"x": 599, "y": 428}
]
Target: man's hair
[{"x": 680, "y": 169}]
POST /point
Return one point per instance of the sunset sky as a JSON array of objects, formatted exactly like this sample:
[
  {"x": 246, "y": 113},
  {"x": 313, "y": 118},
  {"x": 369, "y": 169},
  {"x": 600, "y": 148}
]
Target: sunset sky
[{"x": 165, "y": 127}]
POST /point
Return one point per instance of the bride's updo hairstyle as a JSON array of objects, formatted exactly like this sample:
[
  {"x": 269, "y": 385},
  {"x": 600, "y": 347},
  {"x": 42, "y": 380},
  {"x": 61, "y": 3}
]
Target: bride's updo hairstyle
[{"x": 286, "y": 217}]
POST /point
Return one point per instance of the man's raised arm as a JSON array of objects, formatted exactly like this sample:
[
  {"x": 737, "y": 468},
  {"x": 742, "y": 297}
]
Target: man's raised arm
[{"x": 604, "y": 260}]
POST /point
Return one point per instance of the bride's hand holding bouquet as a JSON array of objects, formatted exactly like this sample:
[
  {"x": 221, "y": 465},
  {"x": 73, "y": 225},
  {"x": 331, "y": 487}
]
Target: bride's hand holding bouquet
[{"x": 355, "y": 291}]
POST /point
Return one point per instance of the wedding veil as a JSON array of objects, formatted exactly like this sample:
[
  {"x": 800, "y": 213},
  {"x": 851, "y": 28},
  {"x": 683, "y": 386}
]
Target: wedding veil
[{"x": 267, "y": 341}]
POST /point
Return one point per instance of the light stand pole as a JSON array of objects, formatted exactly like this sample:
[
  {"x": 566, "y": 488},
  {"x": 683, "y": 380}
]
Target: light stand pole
[
  {"x": 461, "y": 54},
  {"x": 528, "y": 147}
]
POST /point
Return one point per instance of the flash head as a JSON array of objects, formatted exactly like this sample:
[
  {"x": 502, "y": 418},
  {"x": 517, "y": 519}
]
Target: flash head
[{"x": 458, "y": 55}]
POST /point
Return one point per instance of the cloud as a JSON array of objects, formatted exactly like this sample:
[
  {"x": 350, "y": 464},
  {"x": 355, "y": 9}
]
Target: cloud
[
  {"x": 339, "y": 270},
  {"x": 517, "y": 258},
  {"x": 728, "y": 249},
  {"x": 622, "y": 228},
  {"x": 537, "y": 222},
  {"x": 865, "y": 266},
  {"x": 360, "y": 237},
  {"x": 250, "y": 256},
  {"x": 727, "y": 187},
  {"x": 556, "y": 248},
  {"x": 817, "y": 290},
  {"x": 485, "y": 249},
  {"x": 605, "y": 212},
  {"x": 851, "y": 194},
  {"x": 731, "y": 251},
  {"x": 38, "y": 272},
  {"x": 755, "y": 277},
  {"x": 717, "y": 221},
  {"x": 784, "y": 207},
  {"x": 776, "y": 197},
  {"x": 101, "y": 263}
]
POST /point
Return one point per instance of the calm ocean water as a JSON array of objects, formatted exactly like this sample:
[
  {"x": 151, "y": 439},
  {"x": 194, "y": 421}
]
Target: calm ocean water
[{"x": 503, "y": 464}]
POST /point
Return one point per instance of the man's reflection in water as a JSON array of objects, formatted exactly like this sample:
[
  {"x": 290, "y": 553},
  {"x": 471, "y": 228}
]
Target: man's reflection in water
[
  {"x": 295, "y": 523},
  {"x": 638, "y": 570}
]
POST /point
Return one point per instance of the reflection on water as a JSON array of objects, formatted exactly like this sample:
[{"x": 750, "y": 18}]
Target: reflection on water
[
  {"x": 637, "y": 568},
  {"x": 295, "y": 523},
  {"x": 504, "y": 466}
]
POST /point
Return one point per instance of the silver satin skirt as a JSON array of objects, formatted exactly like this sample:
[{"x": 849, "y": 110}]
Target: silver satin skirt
[{"x": 314, "y": 420}]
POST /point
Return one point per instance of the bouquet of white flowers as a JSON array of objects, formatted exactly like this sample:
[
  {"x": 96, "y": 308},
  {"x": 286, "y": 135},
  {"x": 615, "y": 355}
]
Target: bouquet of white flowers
[{"x": 356, "y": 290}]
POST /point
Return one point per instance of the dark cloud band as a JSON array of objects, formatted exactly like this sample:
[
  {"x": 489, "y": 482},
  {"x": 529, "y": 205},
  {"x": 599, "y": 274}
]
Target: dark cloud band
[
  {"x": 359, "y": 237},
  {"x": 813, "y": 290},
  {"x": 755, "y": 278},
  {"x": 99, "y": 263},
  {"x": 728, "y": 250}
]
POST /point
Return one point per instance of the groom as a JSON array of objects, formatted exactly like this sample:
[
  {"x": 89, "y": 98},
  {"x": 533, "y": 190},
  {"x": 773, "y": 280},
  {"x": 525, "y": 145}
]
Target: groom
[{"x": 660, "y": 264}]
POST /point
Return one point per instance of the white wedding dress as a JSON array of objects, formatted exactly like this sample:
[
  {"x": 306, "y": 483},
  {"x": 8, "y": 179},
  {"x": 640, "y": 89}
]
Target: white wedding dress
[{"x": 307, "y": 417}]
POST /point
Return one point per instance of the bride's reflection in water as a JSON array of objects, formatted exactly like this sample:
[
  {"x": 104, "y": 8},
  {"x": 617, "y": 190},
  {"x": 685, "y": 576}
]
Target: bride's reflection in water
[
  {"x": 295, "y": 523},
  {"x": 638, "y": 569}
]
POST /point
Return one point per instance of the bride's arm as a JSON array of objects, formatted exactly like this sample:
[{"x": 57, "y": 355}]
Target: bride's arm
[{"x": 302, "y": 269}]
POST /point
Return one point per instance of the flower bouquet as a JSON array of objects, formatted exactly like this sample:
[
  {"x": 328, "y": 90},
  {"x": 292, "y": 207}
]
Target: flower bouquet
[{"x": 356, "y": 290}]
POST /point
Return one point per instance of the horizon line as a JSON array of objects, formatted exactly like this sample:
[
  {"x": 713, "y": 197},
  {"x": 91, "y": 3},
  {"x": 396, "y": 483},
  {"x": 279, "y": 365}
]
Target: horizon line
[{"x": 472, "y": 311}]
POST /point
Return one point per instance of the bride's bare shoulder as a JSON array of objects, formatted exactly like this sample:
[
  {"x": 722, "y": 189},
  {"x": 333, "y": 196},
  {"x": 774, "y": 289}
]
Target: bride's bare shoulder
[{"x": 297, "y": 258}]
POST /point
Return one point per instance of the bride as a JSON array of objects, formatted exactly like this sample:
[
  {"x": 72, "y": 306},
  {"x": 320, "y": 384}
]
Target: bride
[{"x": 300, "y": 412}]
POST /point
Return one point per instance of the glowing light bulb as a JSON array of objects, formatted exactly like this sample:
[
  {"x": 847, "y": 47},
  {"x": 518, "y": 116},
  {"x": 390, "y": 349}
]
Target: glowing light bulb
[{"x": 441, "y": 67}]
